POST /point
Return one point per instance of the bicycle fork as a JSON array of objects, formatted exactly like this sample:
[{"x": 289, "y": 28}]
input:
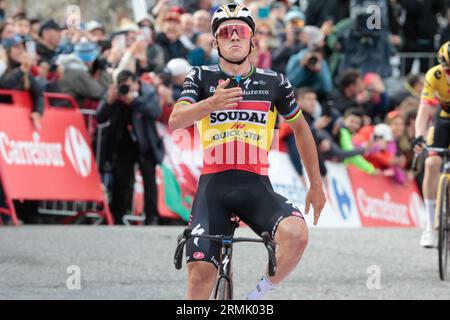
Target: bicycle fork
[{"x": 225, "y": 268}]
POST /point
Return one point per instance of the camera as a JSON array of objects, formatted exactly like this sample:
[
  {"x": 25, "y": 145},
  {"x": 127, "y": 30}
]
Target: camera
[
  {"x": 124, "y": 89},
  {"x": 312, "y": 61}
]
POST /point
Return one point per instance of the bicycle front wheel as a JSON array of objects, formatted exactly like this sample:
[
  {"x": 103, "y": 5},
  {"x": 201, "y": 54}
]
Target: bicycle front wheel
[
  {"x": 224, "y": 290},
  {"x": 444, "y": 221}
]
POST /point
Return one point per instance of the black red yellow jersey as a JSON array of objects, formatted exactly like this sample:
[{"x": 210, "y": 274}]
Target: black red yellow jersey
[{"x": 240, "y": 138}]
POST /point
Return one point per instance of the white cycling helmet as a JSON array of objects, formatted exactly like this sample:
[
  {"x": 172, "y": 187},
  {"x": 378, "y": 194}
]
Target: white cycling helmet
[{"x": 232, "y": 11}]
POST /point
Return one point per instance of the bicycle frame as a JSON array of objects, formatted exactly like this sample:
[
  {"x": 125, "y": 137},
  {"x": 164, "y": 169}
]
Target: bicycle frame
[{"x": 225, "y": 263}]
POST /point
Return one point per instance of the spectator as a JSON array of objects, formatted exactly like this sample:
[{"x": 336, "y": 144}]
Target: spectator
[
  {"x": 161, "y": 79},
  {"x": 146, "y": 21},
  {"x": 188, "y": 37},
  {"x": 264, "y": 41},
  {"x": 277, "y": 14},
  {"x": 77, "y": 77},
  {"x": 383, "y": 153},
  {"x": 95, "y": 32},
  {"x": 35, "y": 25},
  {"x": 419, "y": 28},
  {"x": 203, "y": 54},
  {"x": 290, "y": 40},
  {"x": 202, "y": 21},
  {"x": 403, "y": 143},
  {"x": 6, "y": 30},
  {"x": 351, "y": 124},
  {"x": 47, "y": 46},
  {"x": 169, "y": 38},
  {"x": 351, "y": 87},
  {"x": 18, "y": 76},
  {"x": 308, "y": 67},
  {"x": 2, "y": 10},
  {"x": 376, "y": 97},
  {"x": 22, "y": 26},
  {"x": 412, "y": 88},
  {"x": 132, "y": 108},
  {"x": 69, "y": 38},
  {"x": 179, "y": 69},
  {"x": 367, "y": 49},
  {"x": 307, "y": 98}
]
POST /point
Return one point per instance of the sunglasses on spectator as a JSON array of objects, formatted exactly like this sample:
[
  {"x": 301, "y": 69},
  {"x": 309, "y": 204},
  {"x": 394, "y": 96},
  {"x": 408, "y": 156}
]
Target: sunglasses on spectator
[{"x": 226, "y": 32}]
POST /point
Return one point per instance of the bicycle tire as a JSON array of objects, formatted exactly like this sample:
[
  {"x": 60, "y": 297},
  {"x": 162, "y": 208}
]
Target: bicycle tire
[
  {"x": 224, "y": 291},
  {"x": 444, "y": 238}
]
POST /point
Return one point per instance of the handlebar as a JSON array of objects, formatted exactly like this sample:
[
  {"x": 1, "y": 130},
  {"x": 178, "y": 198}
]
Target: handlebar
[{"x": 266, "y": 239}]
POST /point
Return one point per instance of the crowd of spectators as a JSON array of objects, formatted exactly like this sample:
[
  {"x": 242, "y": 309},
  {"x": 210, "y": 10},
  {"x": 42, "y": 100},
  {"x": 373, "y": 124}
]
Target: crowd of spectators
[{"x": 133, "y": 74}]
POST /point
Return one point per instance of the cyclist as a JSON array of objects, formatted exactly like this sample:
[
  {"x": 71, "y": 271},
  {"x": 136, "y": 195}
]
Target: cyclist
[
  {"x": 234, "y": 106},
  {"x": 437, "y": 86}
]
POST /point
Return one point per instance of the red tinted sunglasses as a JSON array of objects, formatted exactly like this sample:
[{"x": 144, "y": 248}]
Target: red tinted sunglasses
[{"x": 226, "y": 32}]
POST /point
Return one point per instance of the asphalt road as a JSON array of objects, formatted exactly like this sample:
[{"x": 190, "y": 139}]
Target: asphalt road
[{"x": 136, "y": 263}]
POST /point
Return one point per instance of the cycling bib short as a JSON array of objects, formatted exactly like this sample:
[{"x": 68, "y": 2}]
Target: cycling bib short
[{"x": 247, "y": 195}]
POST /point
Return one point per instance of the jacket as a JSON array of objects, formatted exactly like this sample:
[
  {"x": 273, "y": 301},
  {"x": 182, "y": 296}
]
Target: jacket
[{"x": 144, "y": 111}]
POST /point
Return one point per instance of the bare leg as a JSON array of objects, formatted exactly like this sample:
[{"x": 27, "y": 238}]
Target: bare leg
[
  {"x": 292, "y": 238},
  {"x": 201, "y": 280}
]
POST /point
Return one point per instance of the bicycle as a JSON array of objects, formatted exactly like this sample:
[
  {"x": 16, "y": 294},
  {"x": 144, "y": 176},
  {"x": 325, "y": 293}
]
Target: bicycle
[
  {"x": 224, "y": 284},
  {"x": 442, "y": 216}
]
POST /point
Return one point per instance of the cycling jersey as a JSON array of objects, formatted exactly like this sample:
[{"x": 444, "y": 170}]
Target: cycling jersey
[
  {"x": 437, "y": 86},
  {"x": 240, "y": 138}
]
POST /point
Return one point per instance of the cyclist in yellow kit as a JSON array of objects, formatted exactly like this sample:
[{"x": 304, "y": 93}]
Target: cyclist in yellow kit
[
  {"x": 437, "y": 86},
  {"x": 235, "y": 106}
]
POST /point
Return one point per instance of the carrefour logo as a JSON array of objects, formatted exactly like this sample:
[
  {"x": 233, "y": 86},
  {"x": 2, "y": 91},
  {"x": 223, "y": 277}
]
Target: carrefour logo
[
  {"x": 343, "y": 200},
  {"x": 78, "y": 152}
]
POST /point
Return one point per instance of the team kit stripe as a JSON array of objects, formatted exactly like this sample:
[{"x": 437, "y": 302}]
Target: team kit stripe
[
  {"x": 186, "y": 100},
  {"x": 294, "y": 115}
]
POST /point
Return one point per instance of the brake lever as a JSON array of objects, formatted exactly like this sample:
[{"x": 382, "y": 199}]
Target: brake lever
[{"x": 182, "y": 238}]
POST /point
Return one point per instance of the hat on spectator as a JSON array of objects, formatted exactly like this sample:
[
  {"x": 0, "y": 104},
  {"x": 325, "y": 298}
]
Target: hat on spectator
[
  {"x": 294, "y": 14},
  {"x": 86, "y": 51},
  {"x": 178, "y": 67},
  {"x": 315, "y": 35},
  {"x": 11, "y": 42},
  {"x": 384, "y": 131},
  {"x": 173, "y": 14},
  {"x": 146, "y": 17},
  {"x": 127, "y": 25},
  {"x": 71, "y": 62},
  {"x": 94, "y": 25},
  {"x": 49, "y": 25}
]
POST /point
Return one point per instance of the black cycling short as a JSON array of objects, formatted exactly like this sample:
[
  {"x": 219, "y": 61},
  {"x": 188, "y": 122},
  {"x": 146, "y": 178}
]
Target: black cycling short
[
  {"x": 245, "y": 194},
  {"x": 441, "y": 134}
]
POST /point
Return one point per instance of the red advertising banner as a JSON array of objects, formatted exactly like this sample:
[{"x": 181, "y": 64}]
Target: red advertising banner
[
  {"x": 53, "y": 163},
  {"x": 383, "y": 203}
]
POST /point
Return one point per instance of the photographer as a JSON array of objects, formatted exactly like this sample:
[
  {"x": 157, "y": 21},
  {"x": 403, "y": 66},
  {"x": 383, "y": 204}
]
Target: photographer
[
  {"x": 18, "y": 76},
  {"x": 290, "y": 41},
  {"x": 308, "y": 67},
  {"x": 132, "y": 108},
  {"x": 82, "y": 74}
]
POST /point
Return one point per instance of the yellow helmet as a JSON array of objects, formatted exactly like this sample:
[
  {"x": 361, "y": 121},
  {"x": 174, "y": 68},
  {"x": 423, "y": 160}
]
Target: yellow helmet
[{"x": 444, "y": 54}]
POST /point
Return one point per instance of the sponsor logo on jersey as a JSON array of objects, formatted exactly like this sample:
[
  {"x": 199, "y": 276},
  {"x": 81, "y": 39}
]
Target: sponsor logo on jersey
[{"x": 259, "y": 117}]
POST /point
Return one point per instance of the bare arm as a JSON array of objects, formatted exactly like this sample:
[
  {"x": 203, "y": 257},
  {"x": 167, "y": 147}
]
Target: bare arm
[
  {"x": 423, "y": 116},
  {"x": 185, "y": 115},
  {"x": 308, "y": 152}
]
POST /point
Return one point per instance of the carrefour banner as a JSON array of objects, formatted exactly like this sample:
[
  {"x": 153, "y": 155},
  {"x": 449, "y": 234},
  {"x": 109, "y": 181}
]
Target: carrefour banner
[
  {"x": 354, "y": 199},
  {"x": 54, "y": 163}
]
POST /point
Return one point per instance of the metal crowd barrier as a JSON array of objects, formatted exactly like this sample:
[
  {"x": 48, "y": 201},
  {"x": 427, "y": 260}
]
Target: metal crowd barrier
[
  {"x": 70, "y": 209},
  {"x": 399, "y": 61}
]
